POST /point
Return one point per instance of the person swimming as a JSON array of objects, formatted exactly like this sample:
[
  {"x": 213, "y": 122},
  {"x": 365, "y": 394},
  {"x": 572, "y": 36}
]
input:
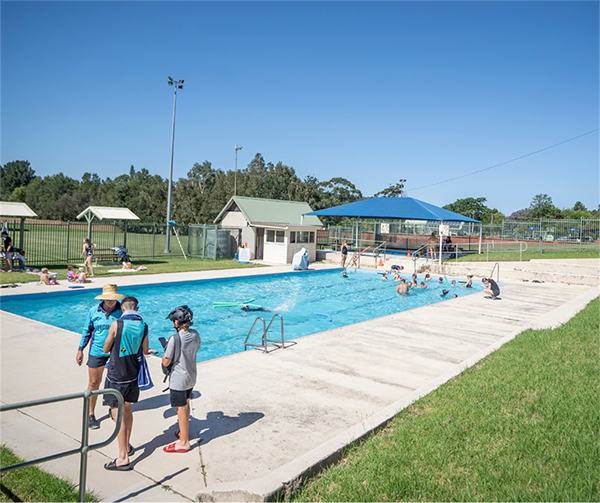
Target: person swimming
[
  {"x": 423, "y": 285},
  {"x": 427, "y": 277},
  {"x": 384, "y": 277},
  {"x": 440, "y": 280},
  {"x": 247, "y": 308},
  {"x": 469, "y": 283},
  {"x": 444, "y": 293}
]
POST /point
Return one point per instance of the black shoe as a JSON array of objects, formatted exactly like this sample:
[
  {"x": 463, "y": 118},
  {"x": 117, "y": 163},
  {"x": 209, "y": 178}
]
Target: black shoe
[{"x": 93, "y": 422}]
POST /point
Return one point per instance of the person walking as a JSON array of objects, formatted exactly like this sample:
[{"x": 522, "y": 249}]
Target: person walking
[
  {"x": 127, "y": 337},
  {"x": 95, "y": 331},
  {"x": 183, "y": 377},
  {"x": 88, "y": 251}
]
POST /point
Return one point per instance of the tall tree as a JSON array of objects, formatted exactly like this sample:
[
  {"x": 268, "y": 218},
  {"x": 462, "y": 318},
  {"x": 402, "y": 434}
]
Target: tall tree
[
  {"x": 469, "y": 207},
  {"x": 395, "y": 190},
  {"x": 338, "y": 191},
  {"x": 15, "y": 174},
  {"x": 542, "y": 207}
]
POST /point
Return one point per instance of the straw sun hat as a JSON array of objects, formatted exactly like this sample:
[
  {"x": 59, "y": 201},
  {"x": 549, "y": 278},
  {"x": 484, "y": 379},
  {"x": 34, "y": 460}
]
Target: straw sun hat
[{"x": 110, "y": 292}]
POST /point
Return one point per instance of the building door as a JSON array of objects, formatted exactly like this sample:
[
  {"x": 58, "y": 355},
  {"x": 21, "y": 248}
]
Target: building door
[{"x": 260, "y": 243}]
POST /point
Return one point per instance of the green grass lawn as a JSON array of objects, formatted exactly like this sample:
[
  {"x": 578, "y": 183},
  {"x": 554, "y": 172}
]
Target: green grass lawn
[
  {"x": 155, "y": 266},
  {"x": 32, "y": 484},
  {"x": 514, "y": 256},
  {"x": 521, "y": 425}
]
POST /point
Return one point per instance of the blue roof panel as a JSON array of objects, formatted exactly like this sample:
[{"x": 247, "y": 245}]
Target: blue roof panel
[{"x": 393, "y": 208}]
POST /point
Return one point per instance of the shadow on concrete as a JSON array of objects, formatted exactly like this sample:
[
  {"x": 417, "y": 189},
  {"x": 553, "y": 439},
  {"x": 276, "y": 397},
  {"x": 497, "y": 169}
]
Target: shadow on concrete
[
  {"x": 152, "y": 486},
  {"x": 217, "y": 424}
]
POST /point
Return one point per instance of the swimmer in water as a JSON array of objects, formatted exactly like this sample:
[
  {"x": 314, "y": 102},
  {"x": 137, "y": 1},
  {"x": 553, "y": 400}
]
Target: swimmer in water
[
  {"x": 444, "y": 293},
  {"x": 402, "y": 288},
  {"x": 247, "y": 308},
  {"x": 469, "y": 283},
  {"x": 453, "y": 282},
  {"x": 423, "y": 285},
  {"x": 345, "y": 274},
  {"x": 397, "y": 277},
  {"x": 413, "y": 281},
  {"x": 384, "y": 277},
  {"x": 440, "y": 280}
]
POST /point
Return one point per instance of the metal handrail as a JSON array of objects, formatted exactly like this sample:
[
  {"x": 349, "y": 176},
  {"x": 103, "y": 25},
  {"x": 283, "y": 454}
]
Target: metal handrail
[
  {"x": 497, "y": 273},
  {"x": 264, "y": 344},
  {"x": 269, "y": 326},
  {"x": 520, "y": 243},
  {"x": 85, "y": 448},
  {"x": 376, "y": 252}
]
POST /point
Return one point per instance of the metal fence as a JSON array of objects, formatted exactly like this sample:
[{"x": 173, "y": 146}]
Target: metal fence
[
  {"x": 210, "y": 241},
  {"x": 48, "y": 242},
  {"x": 543, "y": 235}
]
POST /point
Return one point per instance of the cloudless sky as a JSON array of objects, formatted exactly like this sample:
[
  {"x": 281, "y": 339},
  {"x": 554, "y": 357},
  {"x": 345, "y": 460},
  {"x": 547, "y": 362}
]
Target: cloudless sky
[{"x": 369, "y": 91}]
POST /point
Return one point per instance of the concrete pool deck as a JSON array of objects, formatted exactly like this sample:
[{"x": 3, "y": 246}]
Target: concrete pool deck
[{"x": 264, "y": 419}]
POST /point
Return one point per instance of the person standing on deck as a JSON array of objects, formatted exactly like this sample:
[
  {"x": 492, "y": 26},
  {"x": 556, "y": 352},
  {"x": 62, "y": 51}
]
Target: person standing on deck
[{"x": 95, "y": 331}]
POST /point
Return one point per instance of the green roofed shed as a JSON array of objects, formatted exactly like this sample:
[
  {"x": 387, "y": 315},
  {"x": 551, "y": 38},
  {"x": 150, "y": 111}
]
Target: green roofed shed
[{"x": 273, "y": 230}]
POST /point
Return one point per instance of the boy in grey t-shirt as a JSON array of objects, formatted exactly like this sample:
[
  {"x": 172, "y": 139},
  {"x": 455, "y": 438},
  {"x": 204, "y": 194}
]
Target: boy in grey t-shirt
[{"x": 183, "y": 377}]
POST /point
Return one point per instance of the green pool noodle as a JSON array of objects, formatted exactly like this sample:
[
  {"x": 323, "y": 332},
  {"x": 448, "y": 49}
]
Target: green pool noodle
[{"x": 231, "y": 304}]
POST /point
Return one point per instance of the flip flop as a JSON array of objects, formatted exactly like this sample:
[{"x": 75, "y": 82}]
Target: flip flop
[
  {"x": 112, "y": 466},
  {"x": 130, "y": 450},
  {"x": 178, "y": 434},
  {"x": 171, "y": 448}
]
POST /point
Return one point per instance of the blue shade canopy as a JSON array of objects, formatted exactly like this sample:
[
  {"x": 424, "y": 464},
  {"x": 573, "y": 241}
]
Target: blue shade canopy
[
  {"x": 532, "y": 229},
  {"x": 393, "y": 208},
  {"x": 572, "y": 229}
]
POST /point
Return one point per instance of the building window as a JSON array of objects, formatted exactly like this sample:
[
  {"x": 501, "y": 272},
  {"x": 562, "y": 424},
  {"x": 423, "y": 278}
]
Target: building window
[
  {"x": 280, "y": 237},
  {"x": 292, "y": 236},
  {"x": 270, "y": 236},
  {"x": 311, "y": 239},
  {"x": 302, "y": 237}
]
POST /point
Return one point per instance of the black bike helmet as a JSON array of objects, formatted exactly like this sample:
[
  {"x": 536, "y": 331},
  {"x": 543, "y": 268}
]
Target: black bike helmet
[{"x": 182, "y": 314}]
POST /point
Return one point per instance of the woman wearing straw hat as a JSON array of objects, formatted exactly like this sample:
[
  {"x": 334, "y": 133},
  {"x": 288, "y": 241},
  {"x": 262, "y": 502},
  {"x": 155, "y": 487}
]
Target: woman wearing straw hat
[{"x": 95, "y": 332}]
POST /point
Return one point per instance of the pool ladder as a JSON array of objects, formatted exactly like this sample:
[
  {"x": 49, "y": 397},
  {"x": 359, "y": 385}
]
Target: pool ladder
[{"x": 265, "y": 341}]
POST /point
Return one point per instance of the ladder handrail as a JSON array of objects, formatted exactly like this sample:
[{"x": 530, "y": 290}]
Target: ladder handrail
[
  {"x": 497, "y": 273},
  {"x": 264, "y": 344},
  {"x": 269, "y": 326},
  {"x": 264, "y": 339}
]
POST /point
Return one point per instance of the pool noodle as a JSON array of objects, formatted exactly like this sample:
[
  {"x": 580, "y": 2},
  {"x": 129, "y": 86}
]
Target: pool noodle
[
  {"x": 323, "y": 314},
  {"x": 231, "y": 304},
  {"x": 446, "y": 279}
]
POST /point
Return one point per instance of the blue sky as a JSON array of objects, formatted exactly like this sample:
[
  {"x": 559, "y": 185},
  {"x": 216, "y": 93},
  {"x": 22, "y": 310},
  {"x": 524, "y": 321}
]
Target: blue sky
[{"x": 369, "y": 91}]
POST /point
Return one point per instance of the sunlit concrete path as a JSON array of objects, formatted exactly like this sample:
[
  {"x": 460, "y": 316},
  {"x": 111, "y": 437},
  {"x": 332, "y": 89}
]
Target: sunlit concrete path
[{"x": 264, "y": 419}]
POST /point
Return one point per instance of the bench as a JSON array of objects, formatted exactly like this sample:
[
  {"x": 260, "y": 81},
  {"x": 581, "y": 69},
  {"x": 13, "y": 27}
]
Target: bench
[{"x": 106, "y": 254}]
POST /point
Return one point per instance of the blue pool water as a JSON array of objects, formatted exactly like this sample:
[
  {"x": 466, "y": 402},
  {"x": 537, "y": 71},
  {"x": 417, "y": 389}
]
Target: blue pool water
[{"x": 296, "y": 296}]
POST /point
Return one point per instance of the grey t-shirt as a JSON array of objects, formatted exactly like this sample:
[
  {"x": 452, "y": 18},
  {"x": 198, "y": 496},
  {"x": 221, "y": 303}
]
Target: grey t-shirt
[{"x": 184, "y": 374}]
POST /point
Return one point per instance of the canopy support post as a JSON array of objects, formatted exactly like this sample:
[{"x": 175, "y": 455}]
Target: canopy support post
[{"x": 480, "y": 235}]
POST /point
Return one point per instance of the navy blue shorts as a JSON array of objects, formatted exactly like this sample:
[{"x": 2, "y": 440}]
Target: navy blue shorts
[
  {"x": 180, "y": 398},
  {"x": 97, "y": 361},
  {"x": 130, "y": 392}
]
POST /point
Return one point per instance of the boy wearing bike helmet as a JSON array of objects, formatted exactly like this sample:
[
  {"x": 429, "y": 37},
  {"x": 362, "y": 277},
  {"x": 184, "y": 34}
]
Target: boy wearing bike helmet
[{"x": 183, "y": 377}]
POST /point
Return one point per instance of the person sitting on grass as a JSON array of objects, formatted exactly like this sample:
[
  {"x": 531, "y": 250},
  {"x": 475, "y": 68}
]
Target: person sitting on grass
[
  {"x": 183, "y": 377},
  {"x": 46, "y": 278}
]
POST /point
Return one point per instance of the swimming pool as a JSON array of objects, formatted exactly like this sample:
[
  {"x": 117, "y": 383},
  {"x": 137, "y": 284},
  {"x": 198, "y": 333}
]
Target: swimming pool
[{"x": 296, "y": 296}]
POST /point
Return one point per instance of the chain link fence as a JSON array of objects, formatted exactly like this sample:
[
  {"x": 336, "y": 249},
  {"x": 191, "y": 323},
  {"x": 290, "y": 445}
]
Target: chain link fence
[{"x": 545, "y": 235}]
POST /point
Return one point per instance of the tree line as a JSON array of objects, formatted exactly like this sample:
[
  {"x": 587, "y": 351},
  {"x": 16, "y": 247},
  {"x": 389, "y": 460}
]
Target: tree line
[{"x": 200, "y": 196}]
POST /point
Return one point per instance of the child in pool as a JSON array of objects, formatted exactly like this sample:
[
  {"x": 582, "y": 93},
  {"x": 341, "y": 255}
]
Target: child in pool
[
  {"x": 384, "y": 277},
  {"x": 469, "y": 283}
]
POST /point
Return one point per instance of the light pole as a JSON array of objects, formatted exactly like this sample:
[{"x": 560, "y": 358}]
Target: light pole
[
  {"x": 237, "y": 147},
  {"x": 178, "y": 84}
]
